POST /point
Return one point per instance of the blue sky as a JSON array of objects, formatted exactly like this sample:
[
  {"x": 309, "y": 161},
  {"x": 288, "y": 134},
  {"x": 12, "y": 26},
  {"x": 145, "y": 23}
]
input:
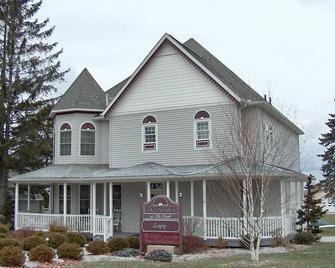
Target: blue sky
[{"x": 284, "y": 48}]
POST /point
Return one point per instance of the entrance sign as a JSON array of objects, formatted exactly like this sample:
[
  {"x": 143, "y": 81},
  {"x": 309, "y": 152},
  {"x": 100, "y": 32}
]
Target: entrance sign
[{"x": 161, "y": 222}]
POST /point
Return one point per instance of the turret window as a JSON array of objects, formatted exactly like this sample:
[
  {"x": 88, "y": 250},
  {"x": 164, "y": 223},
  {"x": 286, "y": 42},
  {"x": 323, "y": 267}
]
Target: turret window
[
  {"x": 87, "y": 139},
  {"x": 65, "y": 140}
]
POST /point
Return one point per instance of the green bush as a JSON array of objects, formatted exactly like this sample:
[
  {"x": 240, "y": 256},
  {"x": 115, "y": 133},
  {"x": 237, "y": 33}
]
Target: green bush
[
  {"x": 41, "y": 253},
  {"x": 56, "y": 239},
  {"x": 32, "y": 241},
  {"x": 97, "y": 247},
  {"x": 77, "y": 238},
  {"x": 221, "y": 243},
  {"x": 133, "y": 242},
  {"x": 4, "y": 229},
  {"x": 117, "y": 244},
  {"x": 12, "y": 256},
  {"x": 5, "y": 242},
  {"x": 69, "y": 251},
  {"x": 58, "y": 229},
  {"x": 305, "y": 238}
]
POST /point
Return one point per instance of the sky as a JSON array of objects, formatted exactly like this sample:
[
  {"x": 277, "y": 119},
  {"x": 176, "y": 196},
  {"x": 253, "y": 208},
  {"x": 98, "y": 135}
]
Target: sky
[{"x": 282, "y": 48}]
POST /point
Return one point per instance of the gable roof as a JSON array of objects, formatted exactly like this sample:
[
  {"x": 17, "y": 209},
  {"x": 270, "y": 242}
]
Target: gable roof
[
  {"x": 83, "y": 94},
  {"x": 112, "y": 92}
]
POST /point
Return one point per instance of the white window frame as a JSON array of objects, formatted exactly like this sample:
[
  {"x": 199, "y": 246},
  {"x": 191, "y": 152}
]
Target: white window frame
[
  {"x": 155, "y": 124},
  {"x": 268, "y": 131},
  {"x": 95, "y": 139},
  {"x": 195, "y": 131},
  {"x": 59, "y": 144}
]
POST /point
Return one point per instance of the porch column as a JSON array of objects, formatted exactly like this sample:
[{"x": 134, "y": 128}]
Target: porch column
[
  {"x": 105, "y": 198},
  {"x": 28, "y": 198},
  {"x": 51, "y": 196},
  {"x": 192, "y": 198},
  {"x": 168, "y": 188},
  {"x": 64, "y": 202},
  {"x": 17, "y": 186},
  {"x": 282, "y": 206},
  {"x": 204, "y": 207},
  {"x": 111, "y": 207},
  {"x": 94, "y": 205},
  {"x": 176, "y": 188},
  {"x": 148, "y": 191},
  {"x": 244, "y": 205}
]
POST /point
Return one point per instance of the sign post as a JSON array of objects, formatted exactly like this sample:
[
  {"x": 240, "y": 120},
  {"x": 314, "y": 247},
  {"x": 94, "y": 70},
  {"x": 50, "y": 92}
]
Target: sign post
[{"x": 161, "y": 222}]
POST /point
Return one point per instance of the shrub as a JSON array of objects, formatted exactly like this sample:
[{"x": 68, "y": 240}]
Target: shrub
[
  {"x": 57, "y": 229},
  {"x": 4, "y": 229},
  {"x": 2, "y": 235},
  {"x": 305, "y": 238},
  {"x": 97, "y": 247},
  {"x": 133, "y": 242},
  {"x": 193, "y": 244},
  {"x": 245, "y": 241},
  {"x": 69, "y": 251},
  {"x": 56, "y": 239},
  {"x": 278, "y": 241},
  {"x": 41, "y": 253},
  {"x": 77, "y": 238},
  {"x": 159, "y": 255},
  {"x": 12, "y": 256},
  {"x": 23, "y": 233},
  {"x": 117, "y": 244},
  {"x": 32, "y": 241},
  {"x": 221, "y": 243},
  {"x": 5, "y": 242}
]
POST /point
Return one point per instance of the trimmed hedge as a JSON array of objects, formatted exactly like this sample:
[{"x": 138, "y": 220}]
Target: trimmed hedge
[
  {"x": 4, "y": 229},
  {"x": 12, "y": 256},
  {"x": 41, "y": 253},
  {"x": 73, "y": 237},
  {"x": 305, "y": 238},
  {"x": 22, "y": 233},
  {"x": 69, "y": 251},
  {"x": 97, "y": 247},
  {"x": 193, "y": 244},
  {"x": 33, "y": 241},
  {"x": 5, "y": 242},
  {"x": 221, "y": 243},
  {"x": 133, "y": 242},
  {"x": 58, "y": 229},
  {"x": 56, "y": 239},
  {"x": 117, "y": 244}
]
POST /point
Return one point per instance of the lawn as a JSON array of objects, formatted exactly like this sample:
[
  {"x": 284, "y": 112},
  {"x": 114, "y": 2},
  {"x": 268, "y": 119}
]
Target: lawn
[
  {"x": 319, "y": 255},
  {"x": 330, "y": 219}
]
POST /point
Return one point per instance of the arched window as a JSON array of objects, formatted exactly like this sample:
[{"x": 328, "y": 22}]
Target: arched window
[
  {"x": 202, "y": 130},
  {"x": 65, "y": 139},
  {"x": 87, "y": 139},
  {"x": 149, "y": 133}
]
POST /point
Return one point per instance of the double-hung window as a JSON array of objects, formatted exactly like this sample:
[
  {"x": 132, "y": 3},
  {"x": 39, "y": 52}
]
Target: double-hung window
[
  {"x": 65, "y": 140},
  {"x": 149, "y": 132},
  {"x": 202, "y": 130},
  {"x": 87, "y": 140},
  {"x": 268, "y": 134}
]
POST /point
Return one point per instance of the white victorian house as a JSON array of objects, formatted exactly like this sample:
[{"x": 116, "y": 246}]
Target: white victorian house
[{"x": 154, "y": 133}]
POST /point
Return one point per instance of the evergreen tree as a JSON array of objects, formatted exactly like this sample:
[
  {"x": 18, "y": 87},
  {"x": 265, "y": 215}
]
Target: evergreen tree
[
  {"x": 328, "y": 157},
  {"x": 29, "y": 68},
  {"x": 311, "y": 210}
]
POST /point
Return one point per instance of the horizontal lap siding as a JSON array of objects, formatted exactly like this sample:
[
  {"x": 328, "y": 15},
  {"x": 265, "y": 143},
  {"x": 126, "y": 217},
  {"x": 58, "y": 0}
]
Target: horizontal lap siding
[{"x": 175, "y": 137}]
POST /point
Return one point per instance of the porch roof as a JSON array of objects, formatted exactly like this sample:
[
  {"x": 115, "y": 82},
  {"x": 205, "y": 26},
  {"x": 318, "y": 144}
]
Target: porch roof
[{"x": 146, "y": 171}]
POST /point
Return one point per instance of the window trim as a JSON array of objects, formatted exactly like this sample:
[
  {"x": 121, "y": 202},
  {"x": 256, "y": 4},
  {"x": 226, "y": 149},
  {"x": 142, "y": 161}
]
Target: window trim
[
  {"x": 269, "y": 125},
  {"x": 95, "y": 139},
  {"x": 154, "y": 124},
  {"x": 195, "y": 133},
  {"x": 59, "y": 144}
]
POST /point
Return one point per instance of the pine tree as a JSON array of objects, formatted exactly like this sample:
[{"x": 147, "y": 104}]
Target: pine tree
[
  {"x": 311, "y": 210},
  {"x": 328, "y": 157},
  {"x": 29, "y": 68}
]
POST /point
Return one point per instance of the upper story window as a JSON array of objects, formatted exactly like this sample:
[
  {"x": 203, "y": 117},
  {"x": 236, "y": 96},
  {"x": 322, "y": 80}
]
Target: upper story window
[
  {"x": 65, "y": 140},
  {"x": 268, "y": 133},
  {"x": 202, "y": 130},
  {"x": 87, "y": 139},
  {"x": 149, "y": 134}
]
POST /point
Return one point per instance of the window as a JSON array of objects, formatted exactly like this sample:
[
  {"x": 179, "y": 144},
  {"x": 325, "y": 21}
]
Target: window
[
  {"x": 87, "y": 140},
  {"x": 202, "y": 130},
  {"x": 68, "y": 199},
  {"x": 65, "y": 139},
  {"x": 85, "y": 193},
  {"x": 157, "y": 189},
  {"x": 268, "y": 133},
  {"x": 149, "y": 131}
]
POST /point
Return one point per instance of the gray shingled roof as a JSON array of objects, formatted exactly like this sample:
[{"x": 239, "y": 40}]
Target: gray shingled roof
[
  {"x": 84, "y": 93},
  {"x": 112, "y": 92}
]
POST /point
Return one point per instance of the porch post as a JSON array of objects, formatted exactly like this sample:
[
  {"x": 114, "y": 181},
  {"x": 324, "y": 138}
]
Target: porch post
[
  {"x": 94, "y": 195},
  {"x": 282, "y": 206},
  {"x": 204, "y": 207},
  {"x": 64, "y": 202},
  {"x": 168, "y": 188},
  {"x": 16, "y": 204},
  {"x": 105, "y": 198},
  {"x": 244, "y": 205},
  {"x": 148, "y": 191},
  {"x": 192, "y": 198},
  {"x": 51, "y": 196},
  {"x": 176, "y": 188},
  {"x": 111, "y": 207},
  {"x": 28, "y": 198}
]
